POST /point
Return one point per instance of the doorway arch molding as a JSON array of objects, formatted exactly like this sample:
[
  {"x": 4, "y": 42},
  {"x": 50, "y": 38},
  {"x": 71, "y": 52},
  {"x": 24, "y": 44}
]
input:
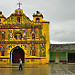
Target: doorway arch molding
[{"x": 17, "y": 53}]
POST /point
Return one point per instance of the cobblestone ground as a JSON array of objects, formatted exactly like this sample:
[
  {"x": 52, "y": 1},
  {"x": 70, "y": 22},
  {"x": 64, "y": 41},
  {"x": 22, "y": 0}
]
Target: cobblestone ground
[
  {"x": 62, "y": 69},
  {"x": 51, "y": 69}
]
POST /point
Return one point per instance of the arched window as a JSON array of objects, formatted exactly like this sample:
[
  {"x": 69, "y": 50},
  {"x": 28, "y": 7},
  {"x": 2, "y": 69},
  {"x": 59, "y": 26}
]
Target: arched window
[
  {"x": 18, "y": 12},
  {"x": 32, "y": 52},
  {"x": 37, "y": 20},
  {"x": 0, "y": 20},
  {"x": 3, "y": 36},
  {"x": 2, "y": 53},
  {"x": 18, "y": 19},
  {"x": 33, "y": 36},
  {"x": 18, "y": 36}
]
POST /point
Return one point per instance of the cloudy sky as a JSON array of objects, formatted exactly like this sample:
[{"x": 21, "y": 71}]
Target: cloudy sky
[{"x": 60, "y": 14}]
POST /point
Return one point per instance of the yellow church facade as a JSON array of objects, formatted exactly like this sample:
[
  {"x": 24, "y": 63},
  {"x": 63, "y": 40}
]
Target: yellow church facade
[{"x": 22, "y": 38}]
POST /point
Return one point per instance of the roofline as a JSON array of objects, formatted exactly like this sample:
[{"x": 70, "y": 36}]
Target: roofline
[
  {"x": 2, "y": 16},
  {"x": 17, "y": 15}
]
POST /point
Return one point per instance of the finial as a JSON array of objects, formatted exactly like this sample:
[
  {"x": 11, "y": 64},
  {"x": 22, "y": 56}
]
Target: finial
[{"x": 19, "y": 4}]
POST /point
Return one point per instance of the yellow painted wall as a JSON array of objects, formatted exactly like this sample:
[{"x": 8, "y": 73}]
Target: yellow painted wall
[{"x": 7, "y": 23}]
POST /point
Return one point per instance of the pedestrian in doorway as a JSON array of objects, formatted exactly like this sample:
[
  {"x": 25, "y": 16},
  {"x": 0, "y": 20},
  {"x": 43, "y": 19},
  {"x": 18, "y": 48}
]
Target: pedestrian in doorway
[{"x": 20, "y": 66}]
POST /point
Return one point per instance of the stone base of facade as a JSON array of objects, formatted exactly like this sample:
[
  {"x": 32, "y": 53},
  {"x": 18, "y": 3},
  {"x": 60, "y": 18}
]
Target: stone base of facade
[{"x": 7, "y": 60}]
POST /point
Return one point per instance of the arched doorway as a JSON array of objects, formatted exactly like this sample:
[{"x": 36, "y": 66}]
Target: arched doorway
[{"x": 17, "y": 54}]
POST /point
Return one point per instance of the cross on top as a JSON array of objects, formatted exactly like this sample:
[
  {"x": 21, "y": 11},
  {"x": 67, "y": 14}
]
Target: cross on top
[{"x": 19, "y": 4}]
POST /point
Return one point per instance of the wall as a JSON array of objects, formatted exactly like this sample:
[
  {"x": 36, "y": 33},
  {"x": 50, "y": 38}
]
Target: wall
[{"x": 62, "y": 56}]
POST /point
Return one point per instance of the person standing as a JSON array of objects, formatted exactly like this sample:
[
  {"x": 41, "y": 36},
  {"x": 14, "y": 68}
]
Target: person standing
[{"x": 20, "y": 66}]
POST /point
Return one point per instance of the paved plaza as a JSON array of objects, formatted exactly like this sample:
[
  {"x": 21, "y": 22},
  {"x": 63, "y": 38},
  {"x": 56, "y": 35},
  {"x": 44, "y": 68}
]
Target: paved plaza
[{"x": 48, "y": 69}]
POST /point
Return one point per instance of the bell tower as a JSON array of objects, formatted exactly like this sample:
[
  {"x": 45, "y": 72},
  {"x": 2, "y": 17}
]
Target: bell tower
[{"x": 37, "y": 17}]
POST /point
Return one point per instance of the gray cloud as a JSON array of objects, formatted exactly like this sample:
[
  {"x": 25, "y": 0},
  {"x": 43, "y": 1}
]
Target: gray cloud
[{"x": 60, "y": 13}]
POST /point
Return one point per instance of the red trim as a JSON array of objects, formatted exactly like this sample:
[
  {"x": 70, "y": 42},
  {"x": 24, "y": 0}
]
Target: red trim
[
  {"x": 37, "y": 38},
  {"x": 62, "y": 61},
  {"x": 35, "y": 58}
]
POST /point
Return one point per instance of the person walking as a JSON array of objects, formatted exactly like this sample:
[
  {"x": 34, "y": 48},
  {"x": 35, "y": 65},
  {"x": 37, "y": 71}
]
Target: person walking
[{"x": 20, "y": 66}]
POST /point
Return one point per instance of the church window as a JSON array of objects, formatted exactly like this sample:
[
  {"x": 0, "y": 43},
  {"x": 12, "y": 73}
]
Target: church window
[
  {"x": 18, "y": 36},
  {"x": 33, "y": 36},
  {"x": 3, "y": 36},
  {"x": 32, "y": 52},
  {"x": 2, "y": 53},
  {"x": 18, "y": 19},
  {"x": 37, "y": 20},
  {"x": 18, "y": 12},
  {"x": 0, "y": 20}
]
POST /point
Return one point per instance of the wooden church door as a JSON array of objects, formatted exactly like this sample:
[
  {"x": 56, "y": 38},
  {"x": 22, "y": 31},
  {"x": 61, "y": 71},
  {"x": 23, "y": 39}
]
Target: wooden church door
[{"x": 17, "y": 54}]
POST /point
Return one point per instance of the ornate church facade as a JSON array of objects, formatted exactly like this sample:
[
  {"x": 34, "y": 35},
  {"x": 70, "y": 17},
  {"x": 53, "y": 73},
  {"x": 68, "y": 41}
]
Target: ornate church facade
[{"x": 22, "y": 38}]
